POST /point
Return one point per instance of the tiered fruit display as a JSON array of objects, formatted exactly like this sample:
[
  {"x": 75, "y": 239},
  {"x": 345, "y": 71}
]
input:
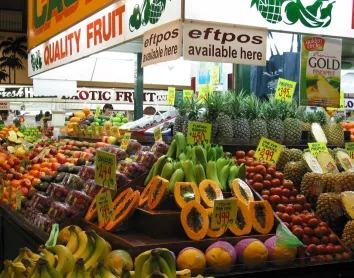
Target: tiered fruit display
[
  {"x": 31, "y": 131},
  {"x": 4, "y": 132}
]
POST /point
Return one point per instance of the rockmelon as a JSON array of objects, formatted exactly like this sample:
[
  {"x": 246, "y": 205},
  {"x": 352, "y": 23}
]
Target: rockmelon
[
  {"x": 185, "y": 192},
  {"x": 209, "y": 192},
  {"x": 242, "y": 191},
  {"x": 252, "y": 253},
  {"x": 214, "y": 232},
  {"x": 195, "y": 220},
  {"x": 193, "y": 259},
  {"x": 157, "y": 192},
  {"x": 262, "y": 216},
  {"x": 221, "y": 257},
  {"x": 243, "y": 220},
  {"x": 279, "y": 256}
]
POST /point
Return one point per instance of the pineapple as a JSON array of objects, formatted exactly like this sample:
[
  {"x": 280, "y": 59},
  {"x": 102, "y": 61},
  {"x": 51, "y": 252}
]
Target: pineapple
[
  {"x": 284, "y": 158},
  {"x": 329, "y": 207},
  {"x": 296, "y": 155},
  {"x": 347, "y": 199},
  {"x": 306, "y": 120},
  {"x": 193, "y": 115},
  {"x": 294, "y": 171},
  {"x": 318, "y": 127},
  {"x": 331, "y": 182},
  {"x": 181, "y": 119},
  {"x": 224, "y": 120},
  {"x": 273, "y": 113},
  {"x": 347, "y": 181},
  {"x": 240, "y": 123},
  {"x": 335, "y": 132},
  {"x": 255, "y": 113},
  {"x": 212, "y": 104},
  {"x": 348, "y": 234},
  {"x": 311, "y": 186},
  {"x": 292, "y": 125}
]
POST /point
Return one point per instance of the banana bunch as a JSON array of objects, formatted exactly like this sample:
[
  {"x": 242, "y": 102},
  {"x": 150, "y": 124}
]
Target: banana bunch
[
  {"x": 195, "y": 164},
  {"x": 42, "y": 269},
  {"x": 153, "y": 262},
  {"x": 79, "y": 270}
]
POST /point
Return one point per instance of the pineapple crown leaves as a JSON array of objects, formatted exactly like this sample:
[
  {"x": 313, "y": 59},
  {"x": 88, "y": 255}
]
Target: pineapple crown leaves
[
  {"x": 275, "y": 109},
  {"x": 292, "y": 110},
  {"x": 182, "y": 106},
  {"x": 254, "y": 107},
  {"x": 339, "y": 118},
  {"x": 194, "y": 110},
  {"x": 238, "y": 107},
  {"x": 213, "y": 105},
  {"x": 320, "y": 117}
]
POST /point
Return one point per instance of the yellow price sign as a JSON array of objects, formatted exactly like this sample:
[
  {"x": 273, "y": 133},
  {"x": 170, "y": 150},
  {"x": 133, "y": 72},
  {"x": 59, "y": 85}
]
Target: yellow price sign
[
  {"x": 18, "y": 199},
  {"x": 224, "y": 213},
  {"x": 98, "y": 111},
  {"x": 106, "y": 168},
  {"x": 158, "y": 134},
  {"x": 285, "y": 90},
  {"x": 171, "y": 96},
  {"x": 125, "y": 141},
  {"x": 104, "y": 206},
  {"x": 199, "y": 133},
  {"x": 188, "y": 94},
  {"x": 215, "y": 75},
  {"x": 316, "y": 148},
  {"x": 268, "y": 150},
  {"x": 350, "y": 149},
  {"x": 205, "y": 90}
]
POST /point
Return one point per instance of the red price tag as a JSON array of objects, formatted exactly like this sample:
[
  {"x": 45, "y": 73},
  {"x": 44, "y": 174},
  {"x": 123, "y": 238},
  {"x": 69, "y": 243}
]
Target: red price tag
[
  {"x": 266, "y": 154},
  {"x": 198, "y": 137},
  {"x": 104, "y": 172},
  {"x": 223, "y": 218}
]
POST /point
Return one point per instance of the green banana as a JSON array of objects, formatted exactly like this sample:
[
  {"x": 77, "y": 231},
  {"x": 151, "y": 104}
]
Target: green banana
[
  {"x": 140, "y": 261},
  {"x": 150, "y": 175},
  {"x": 171, "y": 153},
  {"x": 211, "y": 154},
  {"x": 178, "y": 165},
  {"x": 225, "y": 172},
  {"x": 189, "y": 172},
  {"x": 65, "y": 258},
  {"x": 163, "y": 266},
  {"x": 181, "y": 143},
  {"x": 43, "y": 268},
  {"x": 159, "y": 165},
  {"x": 106, "y": 273},
  {"x": 211, "y": 173},
  {"x": 169, "y": 258},
  {"x": 183, "y": 157},
  {"x": 194, "y": 157},
  {"x": 90, "y": 248},
  {"x": 167, "y": 171},
  {"x": 37, "y": 271},
  {"x": 220, "y": 163},
  {"x": 242, "y": 172},
  {"x": 233, "y": 175},
  {"x": 219, "y": 152},
  {"x": 199, "y": 153},
  {"x": 177, "y": 176},
  {"x": 199, "y": 173},
  {"x": 189, "y": 152},
  {"x": 100, "y": 249}
]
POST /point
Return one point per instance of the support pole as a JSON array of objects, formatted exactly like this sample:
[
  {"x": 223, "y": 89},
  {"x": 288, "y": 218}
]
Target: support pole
[{"x": 138, "y": 88}]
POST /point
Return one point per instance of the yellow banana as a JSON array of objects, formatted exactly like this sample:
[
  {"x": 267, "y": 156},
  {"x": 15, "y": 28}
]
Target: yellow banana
[
  {"x": 83, "y": 240},
  {"x": 30, "y": 254},
  {"x": 65, "y": 259},
  {"x": 80, "y": 269},
  {"x": 22, "y": 255},
  {"x": 18, "y": 269},
  {"x": 169, "y": 258},
  {"x": 100, "y": 250},
  {"x": 49, "y": 256},
  {"x": 29, "y": 265},
  {"x": 139, "y": 262},
  {"x": 164, "y": 267},
  {"x": 148, "y": 267},
  {"x": 64, "y": 234},
  {"x": 43, "y": 267},
  {"x": 185, "y": 273},
  {"x": 106, "y": 273},
  {"x": 73, "y": 273},
  {"x": 37, "y": 271},
  {"x": 73, "y": 243},
  {"x": 90, "y": 248},
  {"x": 7, "y": 272}
]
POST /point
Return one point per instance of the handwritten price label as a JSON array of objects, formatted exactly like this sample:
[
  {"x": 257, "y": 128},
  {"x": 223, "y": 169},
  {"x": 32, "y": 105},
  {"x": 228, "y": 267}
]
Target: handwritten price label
[
  {"x": 224, "y": 214},
  {"x": 104, "y": 206},
  {"x": 285, "y": 90},
  {"x": 199, "y": 133},
  {"x": 18, "y": 199},
  {"x": 268, "y": 150},
  {"x": 350, "y": 149},
  {"x": 158, "y": 134},
  {"x": 316, "y": 148},
  {"x": 171, "y": 96},
  {"x": 105, "y": 173},
  {"x": 125, "y": 141},
  {"x": 188, "y": 94}
]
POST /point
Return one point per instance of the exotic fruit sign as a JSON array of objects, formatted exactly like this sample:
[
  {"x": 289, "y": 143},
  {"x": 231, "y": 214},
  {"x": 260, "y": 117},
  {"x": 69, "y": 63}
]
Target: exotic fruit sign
[{"x": 320, "y": 71}]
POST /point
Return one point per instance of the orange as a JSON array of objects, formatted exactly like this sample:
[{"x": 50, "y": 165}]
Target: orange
[
  {"x": 36, "y": 167},
  {"x": 15, "y": 183}
]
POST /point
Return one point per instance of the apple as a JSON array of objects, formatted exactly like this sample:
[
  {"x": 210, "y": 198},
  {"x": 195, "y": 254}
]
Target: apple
[
  {"x": 286, "y": 192},
  {"x": 275, "y": 182},
  {"x": 321, "y": 249},
  {"x": 306, "y": 240},
  {"x": 298, "y": 232},
  {"x": 346, "y": 256},
  {"x": 332, "y": 238},
  {"x": 298, "y": 207},
  {"x": 308, "y": 231},
  {"x": 315, "y": 240},
  {"x": 317, "y": 232},
  {"x": 330, "y": 249},
  {"x": 301, "y": 199},
  {"x": 267, "y": 184},
  {"x": 251, "y": 153},
  {"x": 289, "y": 209},
  {"x": 312, "y": 249},
  {"x": 324, "y": 231},
  {"x": 281, "y": 208},
  {"x": 279, "y": 214},
  {"x": 265, "y": 197},
  {"x": 268, "y": 177},
  {"x": 292, "y": 200},
  {"x": 324, "y": 240},
  {"x": 275, "y": 191},
  {"x": 295, "y": 192},
  {"x": 338, "y": 257},
  {"x": 312, "y": 222},
  {"x": 286, "y": 218},
  {"x": 265, "y": 192},
  {"x": 288, "y": 184},
  {"x": 274, "y": 199},
  {"x": 240, "y": 154},
  {"x": 338, "y": 248},
  {"x": 297, "y": 220},
  {"x": 307, "y": 206},
  {"x": 284, "y": 200}
]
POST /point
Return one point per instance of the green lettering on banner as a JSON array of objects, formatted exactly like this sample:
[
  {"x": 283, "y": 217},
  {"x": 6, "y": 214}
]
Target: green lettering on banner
[
  {"x": 54, "y": 5},
  {"x": 39, "y": 20}
]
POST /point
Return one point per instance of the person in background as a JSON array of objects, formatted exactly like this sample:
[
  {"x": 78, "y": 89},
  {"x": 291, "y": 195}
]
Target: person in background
[
  {"x": 4, "y": 114},
  {"x": 107, "y": 109},
  {"x": 47, "y": 117}
]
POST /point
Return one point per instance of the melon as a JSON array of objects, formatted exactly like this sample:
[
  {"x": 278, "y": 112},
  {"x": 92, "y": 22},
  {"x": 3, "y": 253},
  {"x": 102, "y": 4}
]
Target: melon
[
  {"x": 119, "y": 260},
  {"x": 221, "y": 257},
  {"x": 252, "y": 253},
  {"x": 193, "y": 259},
  {"x": 279, "y": 256}
]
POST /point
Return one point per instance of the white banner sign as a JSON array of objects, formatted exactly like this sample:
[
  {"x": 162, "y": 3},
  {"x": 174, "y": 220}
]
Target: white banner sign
[
  {"x": 318, "y": 17},
  {"x": 216, "y": 42},
  {"x": 162, "y": 44},
  {"x": 4, "y": 105},
  {"x": 349, "y": 103}
]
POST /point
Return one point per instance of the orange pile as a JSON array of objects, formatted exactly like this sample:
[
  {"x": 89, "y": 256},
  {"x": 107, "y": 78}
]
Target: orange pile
[
  {"x": 349, "y": 126},
  {"x": 5, "y": 131}
]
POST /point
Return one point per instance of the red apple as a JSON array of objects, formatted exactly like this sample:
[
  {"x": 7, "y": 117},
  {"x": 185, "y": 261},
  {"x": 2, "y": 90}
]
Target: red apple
[
  {"x": 315, "y": 240},
  {"x": 298, "y": 232},
  {"x": 297, "y": 220},
  {"x": 298, "y": 207},
  {"x": 275, "y": 199},
  {"x": 286, "y": 217},
  {"x": 338, "y": 248},
  {"x": 281, "y": 208},
  {"x": 301, "y": 199},
  {"x": 317, "y": 232},
  {"x": 307, "y": 206},
  {"x": 289, "y": 209},
  {"x": 284, "y": 200},
  {"x": 286, "y": 192},
  {"x": 330, "y": 249},
  {"x": 312, "y": 249},
  {"x": 306, "y": 240},
  {"x": 240, "y": 154},
  {"x": 324, "y": 240},
  {"x": 321, "y": 249},
  {"x": 332, "y": 238},
  {"x": 308, "y": 231},
  {"x": 313, "y": 222}
]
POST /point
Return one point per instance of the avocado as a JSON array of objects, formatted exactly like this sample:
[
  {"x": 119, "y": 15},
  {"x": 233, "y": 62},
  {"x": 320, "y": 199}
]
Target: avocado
[
  {"x": 63, "y": 169},
  {"x": 76, "y": 170},
  {"x": 60, "y": 177},
  {"x": 42, "y": 186},
  {"x": 31, "y": 193},
  {"x": 81, "y": 162},
  {"x": 47, "y": 179}
]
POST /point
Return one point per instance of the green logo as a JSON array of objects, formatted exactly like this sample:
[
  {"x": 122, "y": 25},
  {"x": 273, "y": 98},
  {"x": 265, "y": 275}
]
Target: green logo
[
  {"x": 36, "y": 61},
  {"x": 148, "y": 12},
  {"x": 317, "y": 15}
]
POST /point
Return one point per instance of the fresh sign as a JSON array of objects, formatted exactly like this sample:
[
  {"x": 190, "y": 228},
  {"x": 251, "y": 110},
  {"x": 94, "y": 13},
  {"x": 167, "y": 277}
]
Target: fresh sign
[
  {"x": 104, "y": 206},
  {"x": 224, "y": 214},
  {"x": 285, "y": 90},
  {"x": 106, "y": 169},
  {"x": 268, "y": 150},
  {"x": 199, "y": 133}
]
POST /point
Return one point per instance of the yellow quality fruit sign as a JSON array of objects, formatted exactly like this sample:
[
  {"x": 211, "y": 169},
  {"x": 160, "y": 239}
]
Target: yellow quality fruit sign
[
  {"x": 104, "y": 207},
  {"x": 188, "y": 94},
  {"x": 125, "y": 141},
  {"x": 106, "y": 168},
  {"x": 224, "y": 213},
  {"x": 268, "y": 150},
  {"x": 316, "y": 148},
  {"x": 285, "y": 90},
  {"x": 158, "y": 134},
  {"x": 199, "y": 133},
  {"x": 171, "y": 96},
  {"x": 350, "y": 149}
]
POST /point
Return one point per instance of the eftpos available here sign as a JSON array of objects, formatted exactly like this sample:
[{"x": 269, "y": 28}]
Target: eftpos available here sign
[
  {"x": 225, "y": 43},
  {"x": 162, "y": 44}
]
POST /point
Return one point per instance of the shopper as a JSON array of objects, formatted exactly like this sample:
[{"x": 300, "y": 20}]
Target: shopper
[
  {"x": 4, "y": 114},
  {"x": 107, "y": 109}
]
